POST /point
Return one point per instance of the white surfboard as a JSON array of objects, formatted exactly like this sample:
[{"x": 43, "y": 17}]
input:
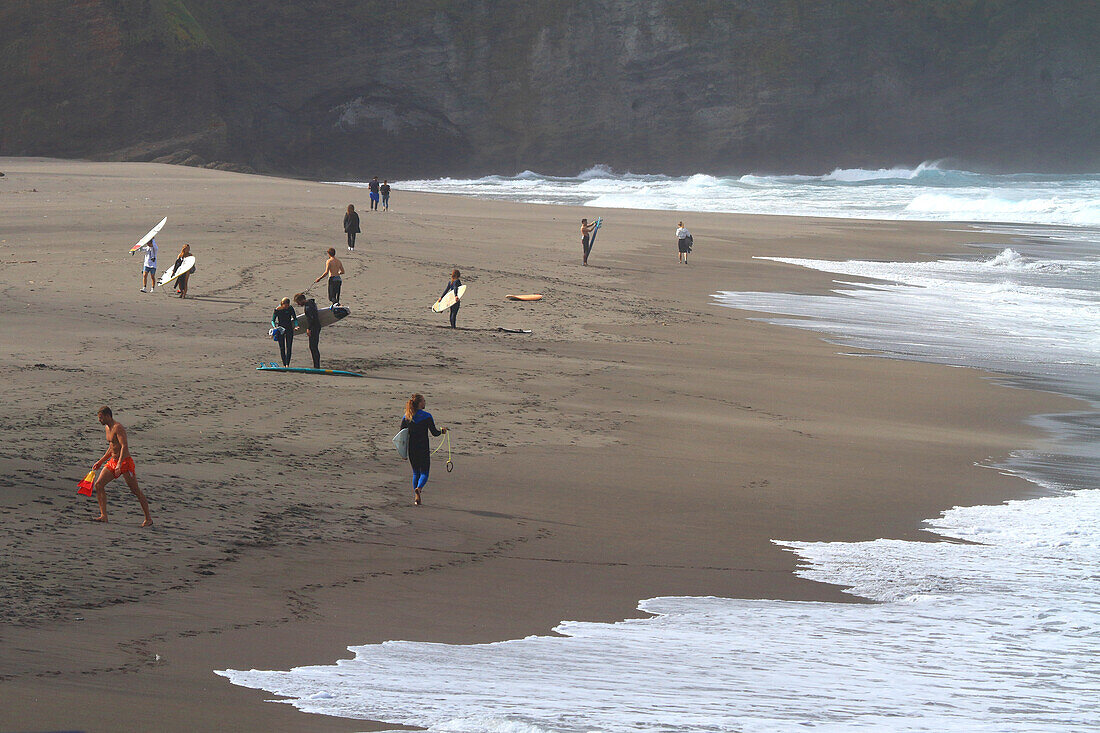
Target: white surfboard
[
  {"x": 148, "y": 237},
  {"x": 401, "y": 442},
  {"x": 173, "y": 273},
  {"x": 327, "y": 316},
  {"x": 448, "y": 300}
]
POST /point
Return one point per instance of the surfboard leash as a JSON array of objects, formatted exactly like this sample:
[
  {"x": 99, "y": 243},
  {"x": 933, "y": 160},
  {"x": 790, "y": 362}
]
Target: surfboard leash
[{"x": 446, "y": 442}]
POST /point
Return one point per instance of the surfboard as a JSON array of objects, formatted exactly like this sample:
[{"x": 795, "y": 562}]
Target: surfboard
[
  {"x": 327, "y": 316},
  {"x": 595, "y": 231},
  {"x": 513, "y": 330},
  {"x": 401, "y": 442},
  {"x": 532, "y": 296},
  {"x": 148, "y": 237},
  {"x": 307, "y": 370},
  {"x": 173, "y": 273},
  {"x": 448, "y": 300}
]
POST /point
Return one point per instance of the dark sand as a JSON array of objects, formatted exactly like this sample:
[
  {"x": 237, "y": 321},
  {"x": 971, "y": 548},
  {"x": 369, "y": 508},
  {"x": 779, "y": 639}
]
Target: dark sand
[{"x": 640, "y": 442}]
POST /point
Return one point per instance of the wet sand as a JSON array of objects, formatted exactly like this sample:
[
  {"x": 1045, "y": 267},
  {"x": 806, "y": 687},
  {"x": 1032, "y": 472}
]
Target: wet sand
[{"x": 640, "y": 442}]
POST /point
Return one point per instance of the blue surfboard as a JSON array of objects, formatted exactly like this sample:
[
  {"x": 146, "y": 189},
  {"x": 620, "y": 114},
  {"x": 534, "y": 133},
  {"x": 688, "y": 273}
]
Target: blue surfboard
[{"x": 307, "y": 370}]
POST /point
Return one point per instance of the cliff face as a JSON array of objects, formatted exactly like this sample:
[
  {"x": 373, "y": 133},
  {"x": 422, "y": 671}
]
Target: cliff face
[{"x": 352, "y": 88}]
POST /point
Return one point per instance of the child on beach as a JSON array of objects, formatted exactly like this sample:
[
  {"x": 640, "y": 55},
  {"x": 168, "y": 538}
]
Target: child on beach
[
  {"x": 351, "y": 226},
  {"x": 283, "y": 318},
  {"x": 118, "y": 463},
  {"x": 419, "y": 423},
  {"x": 313, "y": 326},
  {"x": 454, "y": 285},
  {"x": 334, "y": 269}
]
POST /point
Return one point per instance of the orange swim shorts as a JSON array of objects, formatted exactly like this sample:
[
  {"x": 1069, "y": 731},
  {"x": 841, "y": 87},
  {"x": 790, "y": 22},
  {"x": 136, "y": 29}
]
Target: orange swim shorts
[{"x": 126, "y": 467}]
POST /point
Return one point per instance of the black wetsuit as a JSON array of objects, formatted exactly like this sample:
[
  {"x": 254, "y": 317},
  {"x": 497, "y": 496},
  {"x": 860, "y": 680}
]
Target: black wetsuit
[
  {"x": 313, "y": 324},
  {"x": 453, "y": 285},
  {"x": 420, "y": 451},
  {"x": 284, "y": 317}
]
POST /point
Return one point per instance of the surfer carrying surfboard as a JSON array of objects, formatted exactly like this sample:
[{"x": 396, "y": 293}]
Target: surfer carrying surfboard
[
  {"x": 454, "y": 285},
  {"x": 313, "y": 326},
  {"x": 334, "y": 269},
  {"x": 588, "y": 235},
  {"x": 181, "y": 282},
  {"x": 149, "y": 270},
  {"x": 419, "y": 422},
  {"x": 118, "y": 463}
]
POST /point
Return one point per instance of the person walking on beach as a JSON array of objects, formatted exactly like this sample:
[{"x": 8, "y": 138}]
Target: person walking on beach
[
  {"x": 454, "y": 285},
  {"x": 683, "y": 242},
  {"x": 419, "y": 423},
  {"x": 373, "y": 186},
  {"x": 118, "y": 463},
  {"x": 181, "y": 282},
  {"x": 384, "y": 189},
  {"x": 351, "y": 226},
  {"x": 149, "y": 269},
  {"x": 313, "y": 326},
  {"x": 282, "y": 325},
  {"x": 587, "y": 231},
  {"x": 334, "y": 270}
]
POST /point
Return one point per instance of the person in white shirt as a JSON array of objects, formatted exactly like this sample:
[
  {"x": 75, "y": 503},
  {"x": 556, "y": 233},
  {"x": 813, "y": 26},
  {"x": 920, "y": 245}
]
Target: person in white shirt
[
  {"x": 149, "y": 271},
  {"x": 683, "y": 242}
]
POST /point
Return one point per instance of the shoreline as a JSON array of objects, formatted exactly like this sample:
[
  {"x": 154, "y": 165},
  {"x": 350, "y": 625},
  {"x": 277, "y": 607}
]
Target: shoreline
[{"x": 569, "y": 440}]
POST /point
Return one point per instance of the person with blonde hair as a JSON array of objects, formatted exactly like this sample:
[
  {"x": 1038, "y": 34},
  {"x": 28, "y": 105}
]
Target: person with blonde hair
[
  {"x": 454, "y": 285},
  {"x": 419, "y": 423}
]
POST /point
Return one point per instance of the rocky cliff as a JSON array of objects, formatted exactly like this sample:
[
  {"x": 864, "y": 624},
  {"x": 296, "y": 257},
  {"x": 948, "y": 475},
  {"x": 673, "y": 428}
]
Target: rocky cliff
[{"x": 351, "y": 88}]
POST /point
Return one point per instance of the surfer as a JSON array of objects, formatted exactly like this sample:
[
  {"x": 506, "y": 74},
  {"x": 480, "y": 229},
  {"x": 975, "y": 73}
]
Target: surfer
[
  {"x": 454, "y": 285},
  {"x": 384, "y": 189},
  {"x": 351, "y": 226},
  {"x": 282, "y": 324},
  {"x": 334, "y": 269},
  {"x": 586, "y": 238},
  {"x": 181, "y": 283},
  {"x": 313, "y": 326},
  {"x": 419, "y": 422},
  {"x": 373, "y": 186},
  {"x": 149, "y": 269},
  {"x": 683, "y": 242},
  {"x": 118, "y": 463}
]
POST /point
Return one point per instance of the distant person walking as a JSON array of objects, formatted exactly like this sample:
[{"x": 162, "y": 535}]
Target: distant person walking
[
  {"x": 149, "y": 269},
  {"x": 587, "y": 232},
  {"x": 374, "y": 187},
  {"x": 118, "y": 462},
  {"x": 419, "y": 423},
  {"x": 683, "y": 242},
  {"x": 313, "y": 326},
  {"x": 351, "y": 226},
  {"x": 384, "y": 189},
  {"x": 283, "y": 318},
  {"x": 454, "y": 285},
  {"x": 334, "y": 271},
  {"x": 181, "y": 282}
]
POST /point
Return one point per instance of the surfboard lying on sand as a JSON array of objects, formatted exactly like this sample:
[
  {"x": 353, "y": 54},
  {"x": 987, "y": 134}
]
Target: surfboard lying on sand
[
  {"x": 514, "y": 330},
  {"x": 327, "y": 316},
  {"x": 307, "y": 370},
  {"x": 448, "y": 300},
  {"x": 148, "y": 237},
  {"x": 173, "y": 273},
  {"x": 532, "y": 296}
]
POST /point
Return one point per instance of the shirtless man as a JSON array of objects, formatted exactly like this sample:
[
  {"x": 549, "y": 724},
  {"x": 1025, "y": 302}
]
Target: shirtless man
[
  {"x": 333, "y": 270},
  {"x": 587, "y": 232},
  {"x": 119, "y": 463}
]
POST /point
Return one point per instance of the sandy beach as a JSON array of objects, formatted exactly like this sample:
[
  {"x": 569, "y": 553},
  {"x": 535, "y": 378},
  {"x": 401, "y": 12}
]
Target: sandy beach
[{"x": 640, "y": 441}]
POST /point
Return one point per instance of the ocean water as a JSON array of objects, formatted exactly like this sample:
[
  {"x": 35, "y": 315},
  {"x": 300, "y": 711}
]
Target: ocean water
[
  {"x": 996, "y": 628},
  {"x": 929, "y": 191}
]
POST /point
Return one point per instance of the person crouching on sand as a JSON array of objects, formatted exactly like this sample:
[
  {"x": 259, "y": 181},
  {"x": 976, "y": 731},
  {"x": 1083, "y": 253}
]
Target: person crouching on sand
[
  {"x": 119, "y": 463},
  {"x": 313, "y": 326},
  {"x": 419, "y": 423},
  {"x": 181, "y": 282},
  {"x": 283, "y": 318},
  {"x": 454, "y": 285}
]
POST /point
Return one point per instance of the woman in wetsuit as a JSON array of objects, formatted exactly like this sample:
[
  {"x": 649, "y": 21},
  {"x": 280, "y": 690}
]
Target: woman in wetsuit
[
  {"x": 313, "y": 326},
  {"x": 454, "y": 285},
  {"x": 283, "y": 318},
  {"x": 419, "y": 423}
]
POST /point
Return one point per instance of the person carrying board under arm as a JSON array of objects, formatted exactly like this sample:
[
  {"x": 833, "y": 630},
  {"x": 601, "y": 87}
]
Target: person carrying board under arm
[{"x": 454, "y": 285}]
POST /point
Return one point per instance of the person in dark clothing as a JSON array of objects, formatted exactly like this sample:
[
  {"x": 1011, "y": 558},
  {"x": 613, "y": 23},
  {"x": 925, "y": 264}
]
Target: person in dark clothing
[
  {"x": 419, "y": 423},
  {"x": 313, "y": 326},
  {"x": 384, "y": 189},
  {"x": 351, "y": 226},
  {"x": 283, "y": 318},
  {"x": 373, "y": 186},
  {"x": 454, "y": 285}
]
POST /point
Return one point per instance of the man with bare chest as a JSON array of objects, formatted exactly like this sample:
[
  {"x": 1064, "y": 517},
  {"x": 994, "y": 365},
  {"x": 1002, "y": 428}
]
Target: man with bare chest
[
  {"x": 118, "y": 463},
  {"x": 334, "y": 271}
]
